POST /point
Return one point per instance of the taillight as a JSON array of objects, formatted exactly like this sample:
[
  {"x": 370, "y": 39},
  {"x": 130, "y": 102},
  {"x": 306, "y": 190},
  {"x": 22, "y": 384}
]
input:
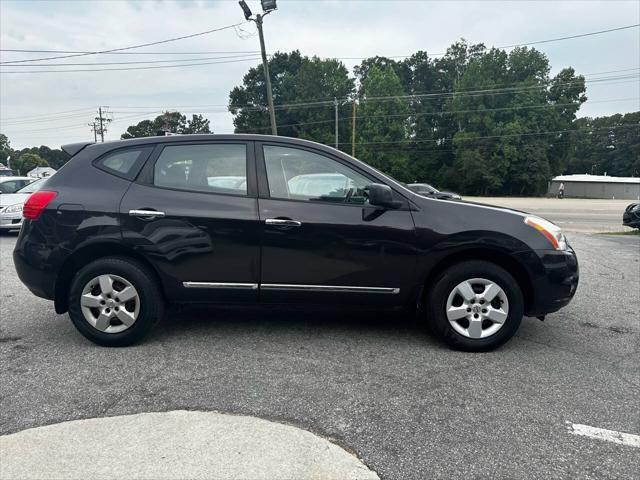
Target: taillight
[{"x": 36, "y": 204}]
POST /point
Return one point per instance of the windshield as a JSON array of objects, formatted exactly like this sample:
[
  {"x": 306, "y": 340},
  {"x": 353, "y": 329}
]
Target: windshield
[{"x": 33, "y": 187}]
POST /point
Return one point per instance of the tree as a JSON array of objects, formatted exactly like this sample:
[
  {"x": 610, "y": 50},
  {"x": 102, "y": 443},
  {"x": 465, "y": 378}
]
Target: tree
[
  {"x": 197, "y": 124},
  {"x": 5, "y": 149},
  {"x": 383, "y": 125},
  {"x": 608, "y": 145},
  {"x": 28, "y": 161},
  {"x": 296, "y": 80},
  {"x": 172, "y": 122}
]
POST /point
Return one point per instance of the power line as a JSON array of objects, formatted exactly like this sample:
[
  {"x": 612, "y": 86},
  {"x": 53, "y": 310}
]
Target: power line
[
  {"x": 124, "y": 53},
  {"x": 159, "y": 42},
  {"x": 412, "y": 140},
  {"x": 119, "y": 52},
  {"x": 569, "y": 37},
  {"x": 254, "y": 55},
  {"x": 131, "y": 68}
]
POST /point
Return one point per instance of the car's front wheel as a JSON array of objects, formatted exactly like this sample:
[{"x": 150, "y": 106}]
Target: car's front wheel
[
  {"x": 475, "y": 306},
  {"x": 114, "y": 301}
]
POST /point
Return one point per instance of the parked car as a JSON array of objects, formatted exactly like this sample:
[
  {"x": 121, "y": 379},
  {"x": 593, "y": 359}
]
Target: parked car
[
  {"x": 129, "y": 226},
  {"x": 11, "y": 184},
  {"x": 11, "y": 205},
  {"x": 631, "y": 216},
  {"x": 428, "y": 191}
]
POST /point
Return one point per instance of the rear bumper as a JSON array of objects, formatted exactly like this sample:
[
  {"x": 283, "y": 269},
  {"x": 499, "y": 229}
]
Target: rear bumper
[
  {"x": 32, "y": 262},
  {"x": 555, "y": 276}
]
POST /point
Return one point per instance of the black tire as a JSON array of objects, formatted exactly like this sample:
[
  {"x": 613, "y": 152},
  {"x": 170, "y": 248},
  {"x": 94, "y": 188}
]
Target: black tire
[
  {"x": 151, "y": 300},
  {"x": 445, "y": 283}
]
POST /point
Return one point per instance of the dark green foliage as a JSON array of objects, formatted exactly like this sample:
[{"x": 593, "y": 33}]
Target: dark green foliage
[
  {"x": 295, "y": 79},
  {"x": 608, "y": 145},
  {"x": 449, "y": 128},
  {"x": 172, "y": 122}
]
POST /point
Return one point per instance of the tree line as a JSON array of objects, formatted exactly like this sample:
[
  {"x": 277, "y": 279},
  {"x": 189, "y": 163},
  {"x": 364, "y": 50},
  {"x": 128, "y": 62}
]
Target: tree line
[{"x": 476, "y": 120}]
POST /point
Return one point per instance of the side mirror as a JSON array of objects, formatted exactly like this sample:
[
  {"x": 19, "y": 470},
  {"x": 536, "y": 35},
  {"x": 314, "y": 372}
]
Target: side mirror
[{"x": 382, "y": 196}]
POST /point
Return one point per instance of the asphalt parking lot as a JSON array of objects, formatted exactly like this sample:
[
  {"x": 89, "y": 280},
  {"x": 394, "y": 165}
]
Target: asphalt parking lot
[{"x": 378, "y": 385}]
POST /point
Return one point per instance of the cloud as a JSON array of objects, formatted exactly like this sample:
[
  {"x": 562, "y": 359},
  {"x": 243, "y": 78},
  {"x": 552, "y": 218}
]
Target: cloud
[{"x": 340, "y": 29}]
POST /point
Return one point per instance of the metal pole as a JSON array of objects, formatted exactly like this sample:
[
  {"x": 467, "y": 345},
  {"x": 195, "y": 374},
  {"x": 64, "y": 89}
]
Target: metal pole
[
  {"x": 265, "y": 65},
  {"x": 95, "y": 133},
  {"x": 335, "y": 104},
  {"x": 353, "y": 130},
  {"x": 101, "y": 127}
]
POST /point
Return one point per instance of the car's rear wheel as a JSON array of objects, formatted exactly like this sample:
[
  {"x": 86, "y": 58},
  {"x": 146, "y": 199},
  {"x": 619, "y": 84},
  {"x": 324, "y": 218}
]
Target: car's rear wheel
[
  {"x": 115, "y": 301},
  {"x": 475, "y": 306}
]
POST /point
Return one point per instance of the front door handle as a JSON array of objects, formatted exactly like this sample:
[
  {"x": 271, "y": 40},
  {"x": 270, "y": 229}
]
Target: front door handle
[
  {"x": 146, "y": 213},
  {"x": 282, "y": 222}
]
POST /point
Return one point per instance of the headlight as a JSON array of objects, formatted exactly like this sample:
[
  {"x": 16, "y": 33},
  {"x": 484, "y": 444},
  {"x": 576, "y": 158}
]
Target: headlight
[
  {"x": 551, "y": 231},
  {"x": 636, "y": 209},
  {"x": 16, "y": 208}
]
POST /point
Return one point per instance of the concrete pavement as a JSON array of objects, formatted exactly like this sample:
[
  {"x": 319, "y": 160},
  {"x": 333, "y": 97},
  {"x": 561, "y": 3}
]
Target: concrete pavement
[{"x": 178, "y": 444}]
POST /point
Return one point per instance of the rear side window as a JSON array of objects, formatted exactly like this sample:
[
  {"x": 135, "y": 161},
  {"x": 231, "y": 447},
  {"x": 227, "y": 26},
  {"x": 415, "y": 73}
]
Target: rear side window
[
  {"x": 124, "y": 163},
  {"x": 212, "y": 168}
]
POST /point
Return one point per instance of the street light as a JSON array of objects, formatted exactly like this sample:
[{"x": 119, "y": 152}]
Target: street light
[
  {"x": 245, "y": 9},
  {"x": 268, "y": 6}
]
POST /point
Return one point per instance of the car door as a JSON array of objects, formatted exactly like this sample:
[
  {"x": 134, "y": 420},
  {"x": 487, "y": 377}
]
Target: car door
[
  {"x": 193, "y": 213},
  {"x": 321, "y": 241}
]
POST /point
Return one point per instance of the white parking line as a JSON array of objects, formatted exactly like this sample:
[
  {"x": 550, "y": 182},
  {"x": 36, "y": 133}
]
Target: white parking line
[{"x": 606, "y": 435}]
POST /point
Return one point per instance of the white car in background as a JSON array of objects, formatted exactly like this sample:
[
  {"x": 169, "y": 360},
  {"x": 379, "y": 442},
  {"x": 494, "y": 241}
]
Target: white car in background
[
  {"x": 11, "y": 205},
  {"x": 11, "y": 184}
]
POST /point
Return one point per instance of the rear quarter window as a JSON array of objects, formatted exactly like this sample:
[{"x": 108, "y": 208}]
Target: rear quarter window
[{"x": 124, "y": 163}]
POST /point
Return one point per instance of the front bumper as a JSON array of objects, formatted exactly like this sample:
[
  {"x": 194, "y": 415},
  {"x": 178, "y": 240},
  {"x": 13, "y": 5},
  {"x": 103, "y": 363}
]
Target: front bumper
[
  {"x": 10, "y": 221},
  {"x": 554, "y": 277}
]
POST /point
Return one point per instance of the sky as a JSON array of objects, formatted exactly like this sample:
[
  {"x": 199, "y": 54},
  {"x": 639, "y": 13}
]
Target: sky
[{"x": 55, "y": 108}]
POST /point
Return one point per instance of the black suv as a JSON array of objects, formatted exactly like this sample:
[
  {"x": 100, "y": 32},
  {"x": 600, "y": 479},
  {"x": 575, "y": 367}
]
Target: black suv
[{"x": 126, "y": 227}]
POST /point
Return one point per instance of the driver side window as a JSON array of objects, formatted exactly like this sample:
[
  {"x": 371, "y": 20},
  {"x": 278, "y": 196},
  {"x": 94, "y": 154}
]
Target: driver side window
[{"x": 302, "y": 175}]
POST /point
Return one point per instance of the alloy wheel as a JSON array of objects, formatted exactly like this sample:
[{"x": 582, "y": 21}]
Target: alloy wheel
[
  {"x": 110, "y": 303},
  {"x": 477, "y": 308}
]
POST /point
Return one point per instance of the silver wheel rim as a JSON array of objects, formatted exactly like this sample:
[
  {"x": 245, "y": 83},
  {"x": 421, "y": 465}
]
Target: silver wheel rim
[
  {"x": 110, "y": 303},
  {"x": 477, "y": 308}
]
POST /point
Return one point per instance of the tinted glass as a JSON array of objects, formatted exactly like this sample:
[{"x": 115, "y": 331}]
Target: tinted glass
[
  {"x": 215, "y": 168},
  {"x": 302, "y": 175},
  {"x": 124, "y": 163},
  {"x": 33, "y": 187},
  {"x": 13, "y": 186}
]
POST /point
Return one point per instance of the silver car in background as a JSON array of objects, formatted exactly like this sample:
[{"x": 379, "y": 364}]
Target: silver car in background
[{"x": 11, "y": 205}]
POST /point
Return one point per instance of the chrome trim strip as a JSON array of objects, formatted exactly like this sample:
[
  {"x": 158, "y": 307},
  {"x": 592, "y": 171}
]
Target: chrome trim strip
[
  {"x": 328, "y": 288},
  {"x": 225, "y": 285}
]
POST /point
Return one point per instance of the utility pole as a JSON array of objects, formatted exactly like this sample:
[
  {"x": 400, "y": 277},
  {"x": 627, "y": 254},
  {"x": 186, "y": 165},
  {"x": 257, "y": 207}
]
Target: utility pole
[
  {"x": 102, "y": 121},
  {"x": 267, "y": 78},
  {"x": 353, "y": 130},
  {"x": 268, "y": 6},
  {"x": 101, "y": 125},
  {"x": 335, "y": 104}
]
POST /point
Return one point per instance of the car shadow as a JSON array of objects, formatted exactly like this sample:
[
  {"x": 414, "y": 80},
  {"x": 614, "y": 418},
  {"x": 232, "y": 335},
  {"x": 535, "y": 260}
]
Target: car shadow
[{"x": 210, "y": 320}]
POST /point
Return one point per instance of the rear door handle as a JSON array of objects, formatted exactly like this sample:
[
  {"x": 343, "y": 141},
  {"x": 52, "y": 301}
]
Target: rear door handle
[
  {"x": 282, "y": 222},
  {"x": 146, "y": 213}
]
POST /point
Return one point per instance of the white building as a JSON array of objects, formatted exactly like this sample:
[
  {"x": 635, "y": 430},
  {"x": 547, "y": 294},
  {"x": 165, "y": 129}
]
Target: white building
[
  {"x": 41, "y": 172},
  {"x": 596, "y": 186}
]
